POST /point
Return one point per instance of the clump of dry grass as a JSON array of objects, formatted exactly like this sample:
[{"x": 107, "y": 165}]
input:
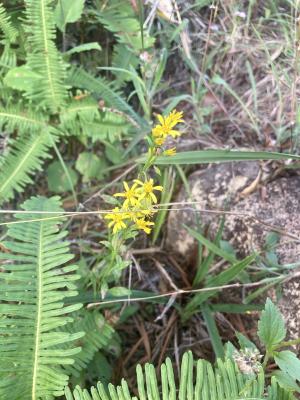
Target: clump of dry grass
[{"x": 243, "y": 62}]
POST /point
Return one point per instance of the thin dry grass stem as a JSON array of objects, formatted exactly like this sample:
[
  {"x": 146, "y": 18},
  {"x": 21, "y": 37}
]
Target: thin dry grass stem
[
  {"x": 166, "y": 336},
  {"x": 189, "y": 291},
  {"x": 149, "y": 250},
  {"x": 164, "y": 273},
  {"x": 137, "y": 266},
  {"x": 166, "y": 308},
  {"x": 164, "y": 206},
  {"x": 117, "y": 179},
  {"x": 182, "y": 273},
  {"x": 143, "y": 332}
]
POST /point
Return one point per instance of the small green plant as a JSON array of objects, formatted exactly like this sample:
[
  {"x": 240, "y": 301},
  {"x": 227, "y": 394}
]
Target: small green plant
[{"x": 242, "y": 374}]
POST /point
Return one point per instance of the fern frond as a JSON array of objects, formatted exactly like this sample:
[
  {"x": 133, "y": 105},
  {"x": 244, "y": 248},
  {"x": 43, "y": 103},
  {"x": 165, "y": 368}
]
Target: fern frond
[
  {"x": 110, "y": 125},
  {"x": 24, "y": 119},
  {"x": 275, "y": 392},
  {"x": 77, "y": 115},
  {"x": 34, "y": 283},
  {"x": 43, "y": 57},
  {"x": 8, "y": 59},
  {"x": 25, "y": 157},
  {"x": 224, "y": 382},
  {"x": 84, "y": 118},
  {"x": 10, "y": 33},
  {"x": 103, "y": 90},
  {"x": 98, "y": 334},
  {"x": 123, "y": 59},
  {"x": 119, "y": 17}
]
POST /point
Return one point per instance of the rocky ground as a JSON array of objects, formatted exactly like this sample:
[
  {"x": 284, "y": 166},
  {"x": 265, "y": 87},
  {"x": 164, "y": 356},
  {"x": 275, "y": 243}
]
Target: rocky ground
[{"x": 259, "y": 198}]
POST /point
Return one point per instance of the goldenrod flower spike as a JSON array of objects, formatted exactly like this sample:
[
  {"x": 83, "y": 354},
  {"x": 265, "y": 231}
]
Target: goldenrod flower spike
[
  {"x": 144, "y": 225},
  {"x": 130, "y": 194},
  {"x": 117, "y": 219},
  {"x": 146, "y": 190}
]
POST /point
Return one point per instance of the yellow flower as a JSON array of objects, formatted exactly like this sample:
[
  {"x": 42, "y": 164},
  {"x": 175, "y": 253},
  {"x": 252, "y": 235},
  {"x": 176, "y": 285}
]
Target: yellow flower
[
  {"x": 167, "y": 124},
  {"x": 133, "y": 215},
  {"x": 159, "y": 141},
  {"x": 117, "y": 219},
  {"x": 146, "y": 190},
  {"x": 174, "y": 118},
  {"x": 170, "y": 152},
  {"x": 144, "y": 225},
  {"x": 130, "y": 194},
  {"x": 148, "y": 212}
]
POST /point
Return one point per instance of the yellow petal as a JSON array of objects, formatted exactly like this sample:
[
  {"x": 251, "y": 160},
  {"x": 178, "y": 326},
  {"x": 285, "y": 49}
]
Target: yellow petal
[
  {"x": 174, "y": 133},
  {"x": 153, "y": 197},
  {"x": 161, "y": 119}
]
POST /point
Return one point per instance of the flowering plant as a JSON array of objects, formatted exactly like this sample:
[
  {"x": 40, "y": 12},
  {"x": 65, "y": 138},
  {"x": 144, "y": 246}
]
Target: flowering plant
[{"x": 140, "y": 199}]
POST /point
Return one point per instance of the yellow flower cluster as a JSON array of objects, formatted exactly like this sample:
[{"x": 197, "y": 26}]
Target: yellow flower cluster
[
  {"x": 165, "y": 128},
  {"x": 137, "y": 206}
]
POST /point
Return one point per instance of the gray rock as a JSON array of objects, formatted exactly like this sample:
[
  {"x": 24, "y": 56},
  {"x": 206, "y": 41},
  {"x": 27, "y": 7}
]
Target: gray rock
[{"x": 212, "y": 188}]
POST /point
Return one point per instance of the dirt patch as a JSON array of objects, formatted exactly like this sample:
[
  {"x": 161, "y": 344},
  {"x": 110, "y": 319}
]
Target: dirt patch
[{"x": 273, "y": 207}]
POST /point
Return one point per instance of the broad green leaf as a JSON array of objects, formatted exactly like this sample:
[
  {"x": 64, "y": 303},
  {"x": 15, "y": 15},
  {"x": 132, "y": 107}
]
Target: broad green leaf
[
  {"x": 288, "y": 363},
  {"x": 286, "y": 381},
  {"x": 58, "y": 181},
  {"x": 271, "y": 329},
  {"x": 21, "y": 78},
  {"x": 244, "y": 342},
  {"x": 208, "y": 156},
  {"x": 90, "y": 166},
  {"x": 113, "y": 153},
  {"x": 67, "y": 11},
  {"x": 84, "y": 47}
]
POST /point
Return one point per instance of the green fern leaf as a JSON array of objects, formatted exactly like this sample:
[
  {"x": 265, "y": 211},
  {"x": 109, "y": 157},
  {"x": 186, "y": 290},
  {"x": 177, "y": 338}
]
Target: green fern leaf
[
  {"x": 119, "y": 17},
  {"x": 43, "y": 57},
  {"x": 275, "y": 392},
  {"x": 105, "y": 91},
  {"x": 98, "y": 335},
  {"x": 24, "y": 158},
  {"x": 198, "y": 381},
  {"x": 22, "y": 118},
  {"x": 124, "y": 59},
  {"x": 84, "y": 118},
  {"x": 75, "y": 117},
  {"x": 8, "y": 60},
  {"x": 34, "y": 283},
  {"x": 10, "y": 33}
]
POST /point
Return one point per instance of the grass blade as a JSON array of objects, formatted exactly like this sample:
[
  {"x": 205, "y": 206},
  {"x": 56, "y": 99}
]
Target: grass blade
[
  {"x": 213, "y": 331},
  {"x": 221, "y": 279},
  {"x": 209, "y": 156}
]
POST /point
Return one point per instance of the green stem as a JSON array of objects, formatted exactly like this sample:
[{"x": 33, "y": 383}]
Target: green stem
[
  {"x": 287, "y": 343},
  {"x": 266, "y": 359}
]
